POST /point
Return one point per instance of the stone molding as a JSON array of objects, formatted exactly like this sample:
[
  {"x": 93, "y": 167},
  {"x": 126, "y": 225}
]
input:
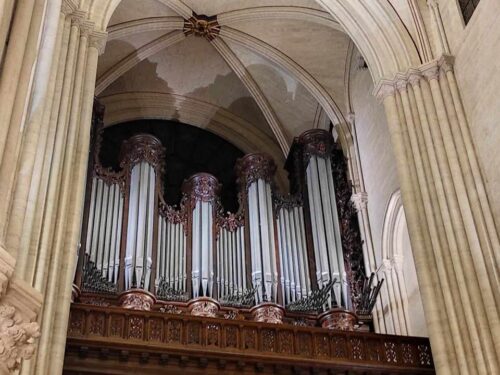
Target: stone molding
[
  {"x": 360, "y": 200},
  {"x": 68, "y": 7},
  {"x": 429, "y": 71},
  {"x": 19, "y": 307}
]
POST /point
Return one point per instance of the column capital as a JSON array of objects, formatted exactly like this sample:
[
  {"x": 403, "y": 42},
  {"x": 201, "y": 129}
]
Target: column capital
[
  {"x": 77, "y": 18},
  {"x": 98, "y": 40},
  {"x": 414, "y": 76},
  {"x": 430, "y": 70},
  {"x": 401, "y": 82},
  {"x": 360, "y": 200},
  {"x": 446, "y": 63},
  {"x": 253, "y": 167},
  {"x": 86, "y": 27},
  {"x": 384, "y": 88}
]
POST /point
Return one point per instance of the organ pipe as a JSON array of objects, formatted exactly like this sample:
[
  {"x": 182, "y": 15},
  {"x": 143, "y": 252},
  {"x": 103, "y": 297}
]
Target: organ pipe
[
  {"x": 200, "y": 192},
  {"x": 280, "y": 248},
  {"x": 104, "y": 227},
  {"x": 142, "y": 157},
  {"x": 255, "y": 174}
]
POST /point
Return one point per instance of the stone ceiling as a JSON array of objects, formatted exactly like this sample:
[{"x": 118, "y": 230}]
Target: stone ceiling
[{"x": 260, "y": 74}]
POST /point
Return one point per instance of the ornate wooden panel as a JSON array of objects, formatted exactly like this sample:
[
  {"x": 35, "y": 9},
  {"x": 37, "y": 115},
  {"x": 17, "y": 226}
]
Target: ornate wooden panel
[{"x": 115, "y": 334}]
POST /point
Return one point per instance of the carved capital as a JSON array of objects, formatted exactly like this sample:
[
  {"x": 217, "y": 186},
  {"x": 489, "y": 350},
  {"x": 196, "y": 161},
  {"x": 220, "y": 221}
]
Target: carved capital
[
  {"x": 316, "y": 142},
  {"x": 253, "y": 167},
  {"x": 414, "y": 77},
  {"x": 77, "y": 18},
  {"x": 446, "y": 63},
  {"x": 202, "y": 26},
  {"x": 201, "y": 186},
  {"x": 430, "y": 71},
  {"x": 360, "y": 200},
  {"x": 86, "y": 28},
  {"x": 142, "y": 147},
  {"x": 98, "y": 40},
  {"x": 384, "y": 89},
  {"x": 401, "y": 82}
]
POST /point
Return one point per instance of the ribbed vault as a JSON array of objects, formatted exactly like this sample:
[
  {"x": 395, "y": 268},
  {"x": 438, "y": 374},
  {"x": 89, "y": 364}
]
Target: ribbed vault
[{"x": 264, "y": 62}]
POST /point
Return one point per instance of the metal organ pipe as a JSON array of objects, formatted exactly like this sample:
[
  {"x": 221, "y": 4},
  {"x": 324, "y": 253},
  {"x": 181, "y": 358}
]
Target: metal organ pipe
[
  {"x": 255, "y": 174},
  {"x": 323, "y": 212},
  {"x": 142, "y": 157},
  {"x": 275, "y": 247},
  {"x": 201, "y": 191},
  {"x": 104, "y": 227},
  {"x": 293, "y": 252}
]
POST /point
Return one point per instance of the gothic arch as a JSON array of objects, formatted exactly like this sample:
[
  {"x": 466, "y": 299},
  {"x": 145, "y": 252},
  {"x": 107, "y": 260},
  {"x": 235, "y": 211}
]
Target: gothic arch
[{"x": 399, "y": 270}]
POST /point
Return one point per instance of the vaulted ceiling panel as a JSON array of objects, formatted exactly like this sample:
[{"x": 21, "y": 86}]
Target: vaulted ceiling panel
[
  {"x": 134, "y": 9},
  {"x": 192, "y": 68},
  {"x": 214, "y": 7},
  {"x": 291, "y": 102},
  {"x": 118, "y": 49},
  {"x": 326, "y": 65}
]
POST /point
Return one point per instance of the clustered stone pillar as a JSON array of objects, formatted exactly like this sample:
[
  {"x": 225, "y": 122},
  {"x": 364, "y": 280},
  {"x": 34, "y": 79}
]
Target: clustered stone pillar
[
  {"x": 43, "y": 155},
  {"x": 454, "y": 240}
]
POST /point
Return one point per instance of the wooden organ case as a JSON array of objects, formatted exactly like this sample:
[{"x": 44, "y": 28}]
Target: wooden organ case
[{"x": 276, "y": 287}]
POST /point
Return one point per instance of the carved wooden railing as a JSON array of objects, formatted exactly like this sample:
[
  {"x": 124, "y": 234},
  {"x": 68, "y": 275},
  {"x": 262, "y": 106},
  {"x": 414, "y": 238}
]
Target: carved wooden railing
[{"x": 112, "y": 333}]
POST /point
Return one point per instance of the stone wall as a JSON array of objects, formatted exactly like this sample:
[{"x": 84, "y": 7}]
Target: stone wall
[{"x": 477, "y": 67}]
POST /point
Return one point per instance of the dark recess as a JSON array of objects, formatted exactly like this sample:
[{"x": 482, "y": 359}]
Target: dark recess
[{"x": 189, "y": 150}]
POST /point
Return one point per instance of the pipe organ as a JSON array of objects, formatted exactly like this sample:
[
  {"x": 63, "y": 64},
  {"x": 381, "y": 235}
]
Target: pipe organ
[{"x": 277, "y": 255}]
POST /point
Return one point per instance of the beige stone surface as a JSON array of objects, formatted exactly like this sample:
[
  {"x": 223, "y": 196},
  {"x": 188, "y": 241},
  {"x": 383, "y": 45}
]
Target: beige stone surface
[{"x": 477, "y": 53}]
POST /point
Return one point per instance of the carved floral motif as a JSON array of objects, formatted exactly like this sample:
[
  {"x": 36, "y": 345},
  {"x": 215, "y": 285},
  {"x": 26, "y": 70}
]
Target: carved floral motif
[
  {"x": 201, "y": 186},
  {"x": 202, "y": 26},
  {"x": 143, "y": 148},
  {"x": 137, "y": 300},
  {"x": 17, "y": 338},
  {"x": 253, "y": 167},
  {"x": 204, "y": 307},
  {"x": 338, "y": 320},
  {"x": 268, "y": 313}
]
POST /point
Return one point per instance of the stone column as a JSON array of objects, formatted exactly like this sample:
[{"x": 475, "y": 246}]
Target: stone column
[
  {"x": 35, "y": 124},
  {"x": 450, "y": 222},
  {"x": 75, "y": 209},
  {"x": 6, "y": 14},
  {"x": 15, "y": 92}
]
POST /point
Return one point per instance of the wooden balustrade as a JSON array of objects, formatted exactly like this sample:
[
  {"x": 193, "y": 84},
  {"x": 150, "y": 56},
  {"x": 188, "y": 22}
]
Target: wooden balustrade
[{"x": 108, "y": 333}]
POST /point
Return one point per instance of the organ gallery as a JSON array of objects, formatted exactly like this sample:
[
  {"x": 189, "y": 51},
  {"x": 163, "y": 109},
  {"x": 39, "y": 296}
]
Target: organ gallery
[{"x": 281, "y": 259}]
